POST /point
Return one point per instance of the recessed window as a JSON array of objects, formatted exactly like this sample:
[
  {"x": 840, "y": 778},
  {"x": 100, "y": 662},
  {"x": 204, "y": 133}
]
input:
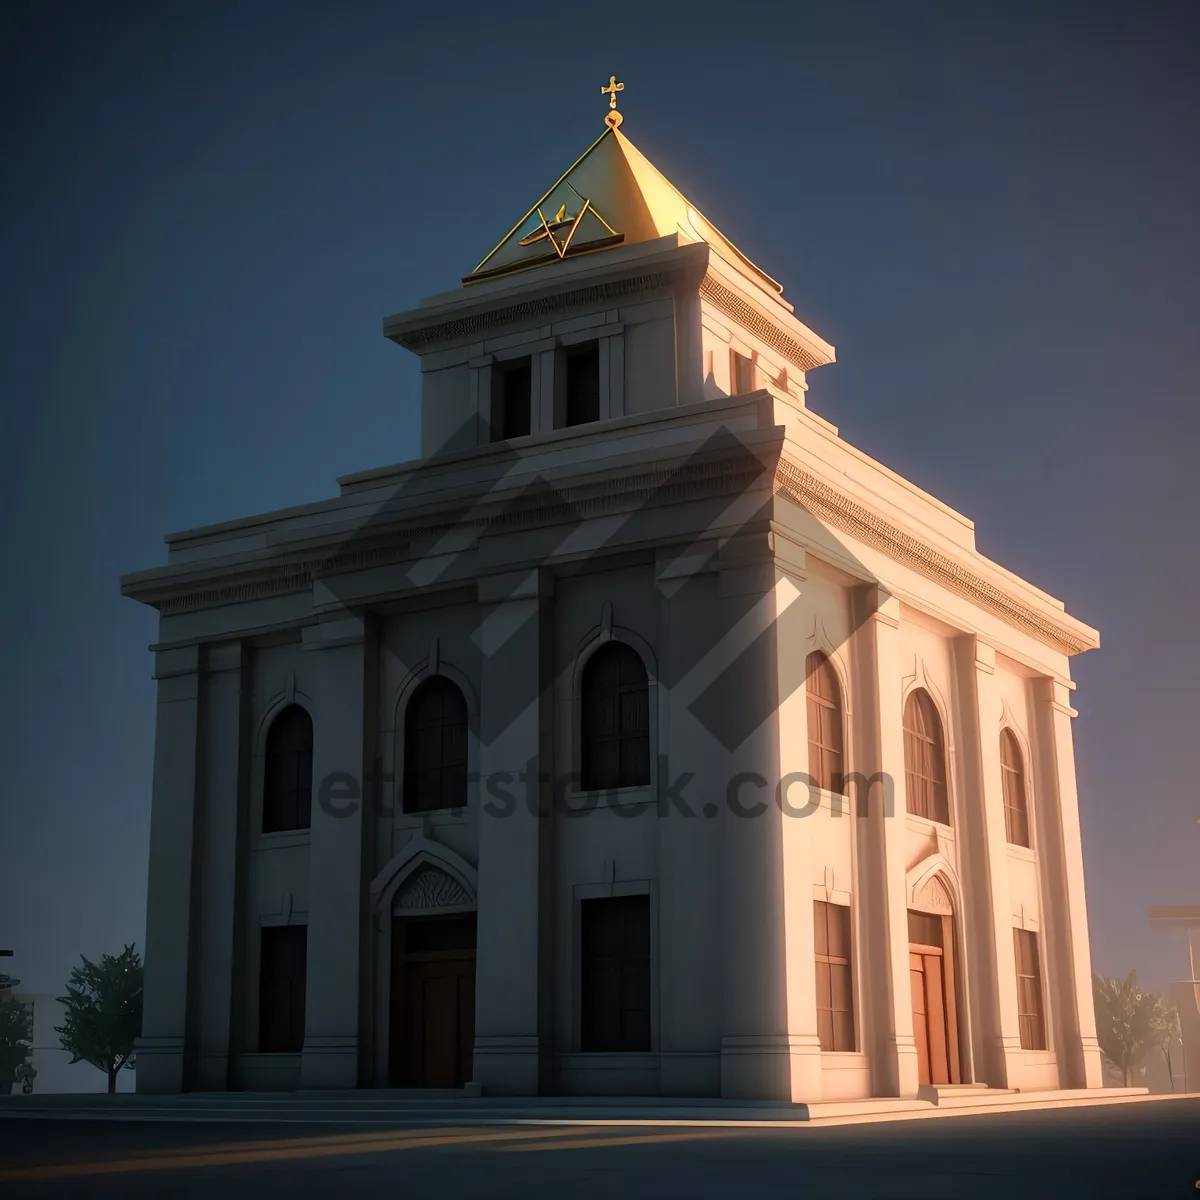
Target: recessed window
[
  {"x": 281, "y": 982},
  {"x": 615, "y": 974},
  {"x": 835, "y": 1005},
  {"x": 741, "y": 373},
  {"x": 582, "y": 383},
  {"x": 925, "y": 759},
  {"x": 1029, "y": 990},
  {"x": 615, "y": 704},
  {"x": 511, "y": 399},
  {"x": 435, "y": 747},
  {"x": 287, "y": 777},
  {"x": 824, "y": 723},
  {"x": 1012, "y": 773}
]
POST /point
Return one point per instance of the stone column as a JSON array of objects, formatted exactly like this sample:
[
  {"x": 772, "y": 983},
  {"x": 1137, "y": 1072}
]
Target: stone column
[
  {"x": 160, "y": 1049},
  {"x": 513, "y": 981},
  {"x": 689, "y": 846},
  {"x": 769, "y": 1048},
  {"x": 221, "y": 804},
  {"x": 985, "y": 881},
  {"x": 883, "y": 871},
  {"x": 344, "y": 702},
  {"x": 1067, "y": 950}
]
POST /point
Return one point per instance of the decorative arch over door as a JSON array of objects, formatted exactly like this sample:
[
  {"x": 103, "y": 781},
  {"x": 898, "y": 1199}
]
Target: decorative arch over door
[{"x": 424, "y": 905}]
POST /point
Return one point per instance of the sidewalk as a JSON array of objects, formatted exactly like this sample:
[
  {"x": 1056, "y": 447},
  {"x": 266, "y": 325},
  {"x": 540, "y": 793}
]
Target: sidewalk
[{"x": 367, "y": 1107}]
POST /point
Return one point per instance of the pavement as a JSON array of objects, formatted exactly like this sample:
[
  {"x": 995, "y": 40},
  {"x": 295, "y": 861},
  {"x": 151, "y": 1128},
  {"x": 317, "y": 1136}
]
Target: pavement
[{"x": 439, "y": 1145}]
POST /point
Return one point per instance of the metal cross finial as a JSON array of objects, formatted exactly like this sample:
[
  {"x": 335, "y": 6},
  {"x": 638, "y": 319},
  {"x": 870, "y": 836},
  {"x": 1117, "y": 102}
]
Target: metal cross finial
[{"x": 613, "y": 118}]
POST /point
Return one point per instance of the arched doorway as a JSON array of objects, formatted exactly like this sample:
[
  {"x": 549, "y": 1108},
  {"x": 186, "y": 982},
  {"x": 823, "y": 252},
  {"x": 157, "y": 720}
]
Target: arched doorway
[
  {"x": 933, "y": 979},
  {"x": 432, "y": 993}
]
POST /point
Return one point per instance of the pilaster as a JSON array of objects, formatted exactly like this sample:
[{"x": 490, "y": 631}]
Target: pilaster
[
  {"x": 160, "y": 1049},
  {"x": 343, "y": 677},
  {"x": 220, "y": 807},
  {"x": 881, "y": 832},
  {"x": 1068, "y": 950},
  {"x": 986, "y": 888},
  {"x": 769, "y": 1044},
  {"x": 513, "y": 988}
]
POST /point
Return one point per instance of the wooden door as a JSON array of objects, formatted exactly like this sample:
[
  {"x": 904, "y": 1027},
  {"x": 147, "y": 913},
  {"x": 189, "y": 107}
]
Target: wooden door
[
  {"x": 439, "y": 1007},
  {"x": 433, "y": 1003},
  {"x": 934, "y": 1018}
]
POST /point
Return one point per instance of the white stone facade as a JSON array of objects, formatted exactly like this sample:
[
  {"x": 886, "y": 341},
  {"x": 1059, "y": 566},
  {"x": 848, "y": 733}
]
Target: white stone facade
[{"x": 723, "y": 537}]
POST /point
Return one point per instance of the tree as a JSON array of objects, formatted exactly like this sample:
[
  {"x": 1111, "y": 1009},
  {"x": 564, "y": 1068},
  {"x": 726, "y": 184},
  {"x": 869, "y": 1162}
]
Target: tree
[
  {"x": 16, "y": 1039},
  {"x": 1163, "y": 1022},
  {"x": 1129, "y": 1021},
  {"x": 104, "y": 1012},
  {"x": 1121, "y": 1026}
]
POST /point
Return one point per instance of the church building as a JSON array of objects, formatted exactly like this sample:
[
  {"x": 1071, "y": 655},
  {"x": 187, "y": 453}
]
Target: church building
[{"x": 641, "y": 737}]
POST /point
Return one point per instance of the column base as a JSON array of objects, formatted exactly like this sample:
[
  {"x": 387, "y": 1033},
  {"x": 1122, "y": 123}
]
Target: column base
[
  {"x": 159, "y": 1067},
  {"x": 329, "y": 1062},
  {"x": 771, "y": 1067},
  {"x": 907, "y": 1068},
  {"x": 506, "y": 1065}
]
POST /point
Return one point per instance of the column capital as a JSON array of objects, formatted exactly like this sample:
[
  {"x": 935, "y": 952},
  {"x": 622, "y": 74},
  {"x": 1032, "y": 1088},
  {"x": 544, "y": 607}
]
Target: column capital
[
  {"x": 343, "y": 630},
  {"x": 223, "y": 656},
  {"x": 502, "y": 586},
  {"x": 878, "y": 604},
  {"x": 179, "y": 660},
  {"x": 1056, "y": 693}
]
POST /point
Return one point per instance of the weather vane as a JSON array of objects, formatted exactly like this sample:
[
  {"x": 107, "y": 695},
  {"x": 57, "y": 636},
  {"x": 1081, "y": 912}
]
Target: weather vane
[{"x": 613, "y": 118}]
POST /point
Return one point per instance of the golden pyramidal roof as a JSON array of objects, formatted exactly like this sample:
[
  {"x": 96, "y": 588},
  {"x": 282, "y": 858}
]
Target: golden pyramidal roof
[{"x": 612, "y": 195}]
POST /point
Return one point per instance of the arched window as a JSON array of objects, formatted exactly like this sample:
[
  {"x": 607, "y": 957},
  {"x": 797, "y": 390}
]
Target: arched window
[
  {"x": 615, "y": 700},
  {"x": 287, "y": 782},
  {"x": 824, "y": 723},
  {"x": 925, "y": 759},
  {"x": 435, "y": 747},
  {"x": 1012, "y": 772}
]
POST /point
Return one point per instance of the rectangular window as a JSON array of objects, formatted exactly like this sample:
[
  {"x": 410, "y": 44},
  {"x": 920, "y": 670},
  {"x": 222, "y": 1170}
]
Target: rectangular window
[
  {"x": 615, "y": 976},
  {"x": 1029, "y": 991},
  {"x": 741, "y": 373},
  {"x": 511, "y": 399},
  {"x": 281, "y": 979},
  {"x": 583, "y": 383},
  {"x": 835, "y": 1004}
]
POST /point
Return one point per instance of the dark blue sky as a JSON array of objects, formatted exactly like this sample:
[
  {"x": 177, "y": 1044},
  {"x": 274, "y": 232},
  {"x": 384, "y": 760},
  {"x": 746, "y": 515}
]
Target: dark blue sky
[{"x": 991, "y": 211}]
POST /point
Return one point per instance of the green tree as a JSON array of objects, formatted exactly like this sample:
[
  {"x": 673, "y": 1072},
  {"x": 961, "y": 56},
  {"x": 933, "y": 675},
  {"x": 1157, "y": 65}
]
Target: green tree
[
  {"x": 1163, "y": 1022},
  {"x": 16, "y": 1039},
  {"x": 1121, "y": 1026},
  {"x": 104, "y": 1012},
  {"x": 1130, "y": 1021}
]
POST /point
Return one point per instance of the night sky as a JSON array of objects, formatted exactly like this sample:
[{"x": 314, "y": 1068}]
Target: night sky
[{"x": 990, "y": 210}]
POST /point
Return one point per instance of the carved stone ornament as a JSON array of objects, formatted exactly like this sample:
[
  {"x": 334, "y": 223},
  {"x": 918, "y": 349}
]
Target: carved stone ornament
[
  {"x": 429, "y": 887},
  {"x": 932, "y": 897}
]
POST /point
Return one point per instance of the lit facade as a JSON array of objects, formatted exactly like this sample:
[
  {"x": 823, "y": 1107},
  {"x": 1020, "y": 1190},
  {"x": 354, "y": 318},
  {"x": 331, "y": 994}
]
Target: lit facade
[{"x": 560, "y": 759}]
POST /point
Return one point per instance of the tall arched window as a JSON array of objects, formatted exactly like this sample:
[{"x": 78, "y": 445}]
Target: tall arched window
[
  {"x": 435, "y": 747},
  {"x": 1012, "y": 772},
  {"x": 287, "y": 781},
  {"x": 925, "y": 759},
  {"x": 615, "y": 701},
  {"x": 824, "y": 723}
]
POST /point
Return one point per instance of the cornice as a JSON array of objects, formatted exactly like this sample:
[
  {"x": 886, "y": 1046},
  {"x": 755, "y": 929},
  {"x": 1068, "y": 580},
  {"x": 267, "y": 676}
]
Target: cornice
[
  {"x": 840, "y": 512},
  {"x": 472, "y": 326},
  {"x": 194, "y": 586},
  {"x": 746, "y": 315},
  {"x": 204, "y": 585}
]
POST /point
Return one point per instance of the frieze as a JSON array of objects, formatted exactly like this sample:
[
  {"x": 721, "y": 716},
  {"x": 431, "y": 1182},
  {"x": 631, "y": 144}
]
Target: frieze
[{"x": 733, "y": 306}]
